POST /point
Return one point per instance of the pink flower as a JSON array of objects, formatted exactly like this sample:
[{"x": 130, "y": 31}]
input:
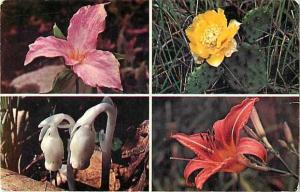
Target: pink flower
[{"x": 95, "y": 67}]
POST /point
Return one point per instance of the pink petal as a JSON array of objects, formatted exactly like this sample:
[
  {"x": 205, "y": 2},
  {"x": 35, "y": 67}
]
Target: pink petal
[
  {"x": 194, "y": 165},
  {"x": 99, "y": 69},
  {"x": 47, "y": 47},
  {"x": 250, "y": 146},
  {"x": 196, "y": 143},
  {"x": 85, "y": 26},
  {"x": 228, "y": 129}
]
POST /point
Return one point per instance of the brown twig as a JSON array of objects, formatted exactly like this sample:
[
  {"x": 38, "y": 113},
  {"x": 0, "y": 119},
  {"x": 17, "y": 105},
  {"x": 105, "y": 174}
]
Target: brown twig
[{"x": 38, "y": 158}]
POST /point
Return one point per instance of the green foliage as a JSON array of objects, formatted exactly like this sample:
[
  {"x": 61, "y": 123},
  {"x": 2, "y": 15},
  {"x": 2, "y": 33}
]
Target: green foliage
[
  {"x": 117, "y": 144},
  {"x": 255, "y": 23},
  {"x": 4, "y": 107},
  {"x": 62, "y": 80},
  {"x": 271, "y": 25},
  {"x": 120, "y": 56},
  {"x": 58, "y": 33},
  {"x": 67, "y": 82},
  {"x": 246, "y": 69},
  {"x": 202, "y": 78},
  {"x": 13, "y": 126}
]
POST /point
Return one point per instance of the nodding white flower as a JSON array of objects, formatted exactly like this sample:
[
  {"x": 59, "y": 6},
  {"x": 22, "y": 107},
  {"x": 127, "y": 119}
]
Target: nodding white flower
[
  {"x": 52, "y": 145},
  {"x": 82, "y": 143}
]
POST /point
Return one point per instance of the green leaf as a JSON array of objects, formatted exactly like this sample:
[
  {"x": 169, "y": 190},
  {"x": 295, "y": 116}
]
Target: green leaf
[
  {"x": 57, "y": 32},
  {"x": 63, "y": 81},
  {"x": 119, "y": 56},
  {"x": 202, "y": 78}
]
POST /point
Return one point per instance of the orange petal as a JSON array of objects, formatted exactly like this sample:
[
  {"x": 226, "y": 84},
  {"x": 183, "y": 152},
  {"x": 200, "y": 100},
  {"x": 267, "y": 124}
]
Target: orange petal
[
  {"x": 234, "y": 165},
  {"x": 215, "y": 60},
  {"x": 250, "y": 146},
  {"x": 194, "y": 165},
  {"x": 228, "y": 129},
  {"x": 205, "y": 174},
  {"x": 196, "y": 143}
]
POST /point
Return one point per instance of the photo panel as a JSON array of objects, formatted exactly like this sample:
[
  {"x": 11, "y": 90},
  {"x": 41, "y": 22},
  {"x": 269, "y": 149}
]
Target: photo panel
[
  {"x": 225, "y": 143},
  {"x": 74, "y": 46},
  {"x": 74, "y": 143},
  {"x": 225, "y": 47}
]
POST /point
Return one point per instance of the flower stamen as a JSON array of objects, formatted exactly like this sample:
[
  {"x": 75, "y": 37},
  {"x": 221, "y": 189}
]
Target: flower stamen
[
  {"x": 210, "y": 36},
  {"x": 77, "y": 55}
]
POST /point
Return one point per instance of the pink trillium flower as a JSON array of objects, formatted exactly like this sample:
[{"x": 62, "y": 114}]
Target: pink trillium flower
[{"x": 95, "y": 67}]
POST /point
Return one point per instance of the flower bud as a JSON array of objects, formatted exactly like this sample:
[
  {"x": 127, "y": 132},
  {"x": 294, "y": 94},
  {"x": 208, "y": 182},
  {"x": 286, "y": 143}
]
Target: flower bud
[
  {"x": 282, "y": 143},
  {"x": 257, "y": 123},
  {"x": 287, "y": 133},
  {"x": 259, "y": 127}
]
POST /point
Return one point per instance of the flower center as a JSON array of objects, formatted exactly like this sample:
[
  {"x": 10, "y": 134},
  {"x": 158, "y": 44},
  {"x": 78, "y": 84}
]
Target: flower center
[
  {"x": 76, "y": 55},
  {"x": 211, "y": 35}
]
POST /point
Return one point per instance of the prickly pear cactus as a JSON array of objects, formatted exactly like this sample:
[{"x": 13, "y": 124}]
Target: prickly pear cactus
[
  {"x": 202, "y": 78},
  {"x": 245, "y": 70},
  {"x": 255, "y": 23}
]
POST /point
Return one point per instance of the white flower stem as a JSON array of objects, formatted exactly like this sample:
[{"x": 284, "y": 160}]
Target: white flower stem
[
  {"x": 70, "y": 172},
  {"x": 111, "y": 112}
]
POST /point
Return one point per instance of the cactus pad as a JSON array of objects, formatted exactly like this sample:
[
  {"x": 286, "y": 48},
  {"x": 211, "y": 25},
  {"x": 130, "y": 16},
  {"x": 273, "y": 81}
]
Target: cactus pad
[
  {"x": 202, "y": 78},
  {"x": 245, "y": 70},
  {"x": 255, "y": 23}
]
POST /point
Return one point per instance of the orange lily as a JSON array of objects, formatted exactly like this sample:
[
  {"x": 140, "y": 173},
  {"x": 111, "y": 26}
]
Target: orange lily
[{"x": 224, "y": 150}]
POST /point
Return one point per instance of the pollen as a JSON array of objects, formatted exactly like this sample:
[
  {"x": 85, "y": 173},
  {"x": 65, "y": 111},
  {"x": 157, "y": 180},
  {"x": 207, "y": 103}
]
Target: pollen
[{"x": 210, "y": 36}]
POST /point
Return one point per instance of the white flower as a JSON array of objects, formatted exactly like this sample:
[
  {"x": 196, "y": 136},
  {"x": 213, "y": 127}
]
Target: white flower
[
  {"x": 83, "y": 134},
  {"x": 52, "y": 145}
]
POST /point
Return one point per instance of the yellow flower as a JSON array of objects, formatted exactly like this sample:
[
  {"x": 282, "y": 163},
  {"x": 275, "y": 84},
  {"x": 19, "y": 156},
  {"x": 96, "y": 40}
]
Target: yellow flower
[{"x": 210, "y": 37}]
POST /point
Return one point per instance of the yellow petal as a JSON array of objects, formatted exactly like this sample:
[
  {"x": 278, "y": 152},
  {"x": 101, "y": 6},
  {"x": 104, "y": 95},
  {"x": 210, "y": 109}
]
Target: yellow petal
[
  {"x": 215, "y": 60},
  {"x": 231, "y": 48},
  {"x": 194, "y": 32},
  {"x": 199, "y": 50},
  {"x": 233, "y": 27},
  {"x": 228, "y": 34},
  {"x": 222, "y": 21},
  {"x": 216, "y": 18},
  {"x": 210, "y": 37}
]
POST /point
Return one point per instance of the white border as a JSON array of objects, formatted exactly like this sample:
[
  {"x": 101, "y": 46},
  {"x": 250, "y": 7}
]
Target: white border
[{"x": 150, "y": 96}]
